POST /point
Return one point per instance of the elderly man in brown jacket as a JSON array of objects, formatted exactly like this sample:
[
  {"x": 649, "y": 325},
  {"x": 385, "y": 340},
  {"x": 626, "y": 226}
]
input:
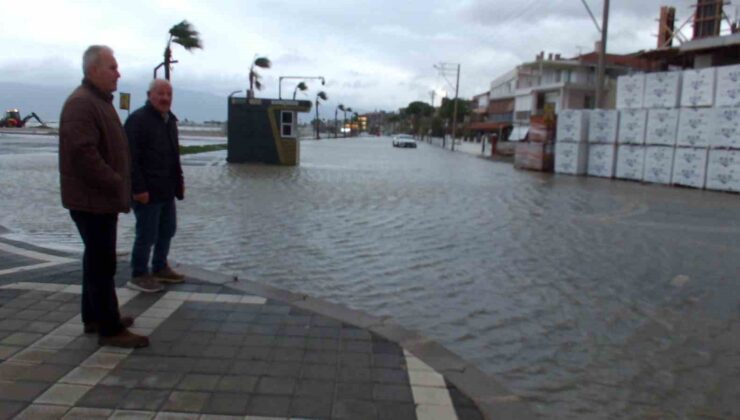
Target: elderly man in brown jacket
[{"x": 95, "y": 183}]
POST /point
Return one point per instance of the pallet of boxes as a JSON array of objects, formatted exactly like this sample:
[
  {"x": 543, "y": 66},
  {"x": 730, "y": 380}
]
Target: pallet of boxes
[
  {"x": 586, "y": 142},
  {"x": 686, "y": 140},
  {"x": 676, "y": 127},
  {"x": 536, "y": 153}
]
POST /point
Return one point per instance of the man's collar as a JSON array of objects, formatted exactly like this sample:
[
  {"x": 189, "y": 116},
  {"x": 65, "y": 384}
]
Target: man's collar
[
  {"x": 151, "y": 108},
  {"x": 105, "y": 96}
]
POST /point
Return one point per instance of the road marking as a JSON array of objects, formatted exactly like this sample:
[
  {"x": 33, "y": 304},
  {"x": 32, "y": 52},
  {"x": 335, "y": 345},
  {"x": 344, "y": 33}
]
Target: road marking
[
  {"x": 48, "y": 260},
  {"x": 432, "y": 399}
]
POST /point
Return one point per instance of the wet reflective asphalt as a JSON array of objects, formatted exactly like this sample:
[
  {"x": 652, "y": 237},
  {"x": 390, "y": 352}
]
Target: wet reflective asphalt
[{"x": 592, "y": 298}]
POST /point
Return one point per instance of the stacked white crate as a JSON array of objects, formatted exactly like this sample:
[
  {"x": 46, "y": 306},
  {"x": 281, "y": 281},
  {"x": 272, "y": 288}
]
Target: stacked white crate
[
  {"x": 728, "y": 86},
  {"x": 632, "y": 126},
  {"x": 662, "y": 95},
  {"x": 630, "y": 91},
  {"x": 694, "y": 131},
  {"x": 662, "y": 90},
  {"x": 631, "y": 149},
  {"x": 571, "y": 149},
  {"x": 723, "y": 172},
  {"x": 603, "y": 127},
  {"x": 658, "y": 164},
  {"x": 697, "y": 88},
  {"x": 660, "y": 139},
  {"x": 695, "y": 125}
]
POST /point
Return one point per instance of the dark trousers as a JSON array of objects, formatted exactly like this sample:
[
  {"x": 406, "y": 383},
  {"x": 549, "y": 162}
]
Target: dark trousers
[
  {"x": 99, "y": 300},
  {"x": 156, "y": 224}
]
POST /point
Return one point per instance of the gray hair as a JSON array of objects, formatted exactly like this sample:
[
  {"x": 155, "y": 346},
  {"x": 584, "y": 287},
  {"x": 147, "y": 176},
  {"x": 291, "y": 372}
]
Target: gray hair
[
  {"x": 154, "y": 82},
  {"x": 92, "y": 55}
]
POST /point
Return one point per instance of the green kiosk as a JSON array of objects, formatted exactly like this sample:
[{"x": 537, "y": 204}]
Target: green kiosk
[{"x": 264, "y": 130}]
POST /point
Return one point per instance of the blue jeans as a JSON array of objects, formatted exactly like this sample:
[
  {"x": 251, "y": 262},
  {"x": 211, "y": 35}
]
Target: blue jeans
[{"x": 155, "y": 226}]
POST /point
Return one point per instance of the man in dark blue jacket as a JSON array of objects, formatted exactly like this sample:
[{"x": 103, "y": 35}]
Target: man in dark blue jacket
[{"x": 156, "y": 180}]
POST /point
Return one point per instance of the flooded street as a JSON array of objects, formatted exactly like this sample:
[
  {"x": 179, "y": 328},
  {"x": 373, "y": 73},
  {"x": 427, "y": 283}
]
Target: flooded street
[{"x": 592, "y": 298}]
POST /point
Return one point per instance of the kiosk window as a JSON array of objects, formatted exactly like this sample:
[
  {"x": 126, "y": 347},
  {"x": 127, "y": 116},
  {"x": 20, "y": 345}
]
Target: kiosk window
[{"x": 287, "y": 123}]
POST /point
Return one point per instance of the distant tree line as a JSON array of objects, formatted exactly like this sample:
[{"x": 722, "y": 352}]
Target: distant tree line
[{"x": 421, "y": 119}]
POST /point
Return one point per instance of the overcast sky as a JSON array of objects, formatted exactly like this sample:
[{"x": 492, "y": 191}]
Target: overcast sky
[{"x": 374, "y": 54}]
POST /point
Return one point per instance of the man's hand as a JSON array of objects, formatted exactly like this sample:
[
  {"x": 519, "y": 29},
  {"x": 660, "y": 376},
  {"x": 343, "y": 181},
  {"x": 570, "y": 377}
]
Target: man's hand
[
  {"x": 142, "y": 198},
  {"x": 180, "y": 192}
]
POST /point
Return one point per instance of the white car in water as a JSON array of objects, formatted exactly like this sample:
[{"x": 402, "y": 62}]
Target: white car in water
[{"x": 404, "y": 140}]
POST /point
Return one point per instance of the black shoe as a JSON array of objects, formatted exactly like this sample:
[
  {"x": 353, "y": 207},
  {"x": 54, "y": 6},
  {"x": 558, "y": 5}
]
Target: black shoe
[{"x": 92, "y": 327}]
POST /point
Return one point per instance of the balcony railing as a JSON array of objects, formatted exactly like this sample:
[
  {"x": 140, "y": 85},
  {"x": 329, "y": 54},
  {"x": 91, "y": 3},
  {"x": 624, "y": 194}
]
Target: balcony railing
[{"x": 502, "y": 117}]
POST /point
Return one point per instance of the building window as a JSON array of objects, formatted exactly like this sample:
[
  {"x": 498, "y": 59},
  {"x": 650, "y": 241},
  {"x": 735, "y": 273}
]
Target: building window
[
  {"x": 588, "y": 102},
  {"x": 287, "y": 123}
]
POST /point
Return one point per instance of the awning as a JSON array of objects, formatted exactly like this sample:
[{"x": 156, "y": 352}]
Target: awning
[
  {"x": 519, "y": 133},
  {"x": 489, "y": 126}
]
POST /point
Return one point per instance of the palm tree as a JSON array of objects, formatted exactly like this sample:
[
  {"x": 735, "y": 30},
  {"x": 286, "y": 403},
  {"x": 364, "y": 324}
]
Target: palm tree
[
  {"x": 254, "y": 77},
  {"x": 321, "y": 95},
  {"x": 302, "y": 87},
  {"x": 340, "y": 107},
  {"x": 184, "y": 34}
]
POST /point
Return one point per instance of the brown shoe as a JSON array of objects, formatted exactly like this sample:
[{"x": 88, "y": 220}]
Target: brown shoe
[
  {"x": 168, "y": 275},
  {"x": 92, "y": 327},
  {"x": 126, "y": 339},
  {"x": 146, "y": 284}
]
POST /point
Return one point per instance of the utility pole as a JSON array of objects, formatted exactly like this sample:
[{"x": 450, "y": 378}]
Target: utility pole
[
  {"x": 454, "y": 112},
  {"x": 317, "y": 119},
  {"x": 602, "y": 57},
  {"x": 446, "y": 69}
]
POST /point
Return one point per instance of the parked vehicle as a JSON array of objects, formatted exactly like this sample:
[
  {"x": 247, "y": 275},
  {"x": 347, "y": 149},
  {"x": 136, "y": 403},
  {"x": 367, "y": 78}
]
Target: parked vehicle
[{"x": 404, "y": 140}]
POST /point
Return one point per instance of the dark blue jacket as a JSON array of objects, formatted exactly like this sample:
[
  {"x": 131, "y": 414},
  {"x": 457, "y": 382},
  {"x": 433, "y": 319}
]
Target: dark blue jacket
[{"x": 155, "y": 154}]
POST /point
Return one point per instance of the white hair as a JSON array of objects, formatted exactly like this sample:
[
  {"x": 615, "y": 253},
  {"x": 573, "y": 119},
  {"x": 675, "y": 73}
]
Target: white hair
[
  {"x": 91, "y": 56},
  {"x": 154, "y": 82}
]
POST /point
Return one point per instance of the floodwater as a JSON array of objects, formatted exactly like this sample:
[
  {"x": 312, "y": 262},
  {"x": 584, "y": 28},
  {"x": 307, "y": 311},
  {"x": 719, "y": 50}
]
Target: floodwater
[{"x": 591, "y": 298}]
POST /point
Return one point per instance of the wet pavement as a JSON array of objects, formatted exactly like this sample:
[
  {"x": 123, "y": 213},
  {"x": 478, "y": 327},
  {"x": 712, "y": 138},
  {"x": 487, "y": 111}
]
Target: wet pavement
[
  {"x": 216, "y": 351},
  {"x": 591, "y": 298}
]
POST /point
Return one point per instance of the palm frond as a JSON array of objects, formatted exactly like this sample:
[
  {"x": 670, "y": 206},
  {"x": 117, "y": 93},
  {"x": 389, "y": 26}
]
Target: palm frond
[
  {"x": 257, "y": 84},
  {"x": 302, "y": 86},
  {"x": 263, "y": 62},
  {"x": 340, "y": 107},
  {"x": 185, "y": 34},
  {"x": 322, "y": 95}
]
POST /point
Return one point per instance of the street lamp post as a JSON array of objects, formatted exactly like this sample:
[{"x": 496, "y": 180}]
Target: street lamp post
[
  {"x": 280, "y": 82},
  {"x": 166, "y": 71},
  {"x": 356, "y": 117},
  {"x": 344, "y": 121},
  {"x": 321, "y": 95},
  {"x": 339, "y": 107}
]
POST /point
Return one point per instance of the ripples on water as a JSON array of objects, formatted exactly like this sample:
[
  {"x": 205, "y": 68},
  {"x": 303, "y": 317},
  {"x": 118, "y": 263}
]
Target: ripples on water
[{"x": 559, "y": 286}]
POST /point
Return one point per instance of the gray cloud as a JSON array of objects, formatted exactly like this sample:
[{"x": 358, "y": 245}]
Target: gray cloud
[{"x": 374, "y": 54}]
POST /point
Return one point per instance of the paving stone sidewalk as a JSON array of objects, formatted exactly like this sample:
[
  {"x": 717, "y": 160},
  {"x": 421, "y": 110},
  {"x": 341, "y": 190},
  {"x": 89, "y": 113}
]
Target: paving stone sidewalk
[{"x": 220, "y": 349}]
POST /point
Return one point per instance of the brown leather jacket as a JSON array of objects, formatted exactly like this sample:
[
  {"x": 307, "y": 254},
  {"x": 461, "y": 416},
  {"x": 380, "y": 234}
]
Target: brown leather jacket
[{"x": 94, "y": 163}]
